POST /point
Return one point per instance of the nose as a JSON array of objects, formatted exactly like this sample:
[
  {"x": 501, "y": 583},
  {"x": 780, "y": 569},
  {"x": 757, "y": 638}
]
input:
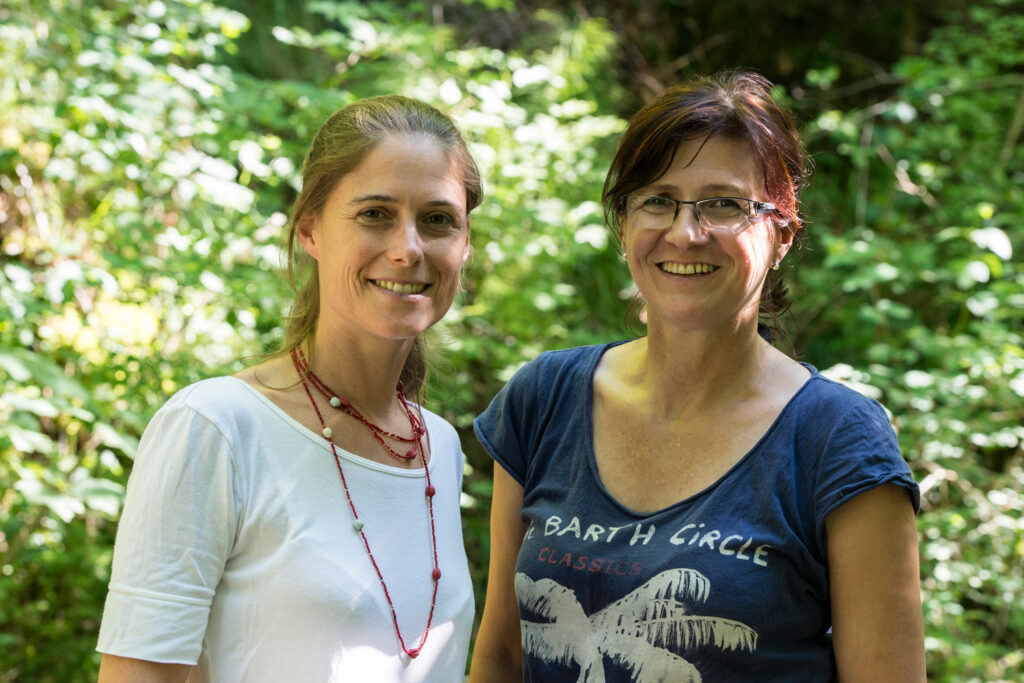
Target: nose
[
  {"x": 687, "y": 228},
  {"x": 404, "y": 244}
]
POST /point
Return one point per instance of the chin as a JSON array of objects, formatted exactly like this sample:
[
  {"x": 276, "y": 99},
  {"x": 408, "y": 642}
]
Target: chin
[{"x": 406, "y": 330}]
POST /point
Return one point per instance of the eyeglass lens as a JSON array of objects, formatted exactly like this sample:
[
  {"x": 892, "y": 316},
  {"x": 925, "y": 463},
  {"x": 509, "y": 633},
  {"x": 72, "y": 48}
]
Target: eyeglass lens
[{"x": 657, "y": 213}]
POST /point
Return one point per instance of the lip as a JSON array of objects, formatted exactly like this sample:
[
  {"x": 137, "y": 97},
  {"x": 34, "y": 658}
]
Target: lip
[
  {"x": 691, "y": 269},
  {"x": 400, "y": 287}
]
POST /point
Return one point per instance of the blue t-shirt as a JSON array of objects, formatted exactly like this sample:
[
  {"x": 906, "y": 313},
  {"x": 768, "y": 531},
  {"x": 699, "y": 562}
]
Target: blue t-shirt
[{"x": 730, "y": 584}]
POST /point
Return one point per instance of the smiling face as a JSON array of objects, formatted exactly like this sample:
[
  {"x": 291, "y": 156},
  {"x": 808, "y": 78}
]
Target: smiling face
[
  {"x": 691, "y": 277},
  {"x": 390, "y": 241}
]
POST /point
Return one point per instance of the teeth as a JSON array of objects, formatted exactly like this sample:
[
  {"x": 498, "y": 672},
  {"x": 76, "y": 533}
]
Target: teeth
[
  {"x": 400, "y": 287},
  {"x": 688, "y": 268}
]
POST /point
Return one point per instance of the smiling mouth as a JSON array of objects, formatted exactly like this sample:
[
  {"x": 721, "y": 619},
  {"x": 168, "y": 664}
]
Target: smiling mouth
[
  {"x": 688, "y": 268},
  {"x": 401, "y": 287}
]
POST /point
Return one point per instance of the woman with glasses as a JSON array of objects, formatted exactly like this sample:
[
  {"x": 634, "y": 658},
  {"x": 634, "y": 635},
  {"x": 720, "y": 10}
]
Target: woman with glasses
[{"x": 695, "y": 504}]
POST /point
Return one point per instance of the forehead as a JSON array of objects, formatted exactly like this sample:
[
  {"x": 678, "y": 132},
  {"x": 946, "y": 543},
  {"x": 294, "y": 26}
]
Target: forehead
[
  {"x": 715, "y": 163},
  {"x": 405, "y": 167}
]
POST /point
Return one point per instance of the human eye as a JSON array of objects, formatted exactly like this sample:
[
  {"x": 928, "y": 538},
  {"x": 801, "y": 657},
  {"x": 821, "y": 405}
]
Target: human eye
[
  {"x": 373, "y": 214},
  {"x": 440, "y": 222},
  {"x": 654, "y": 203},
  {"x": 659, "y": 202},
  {"x": 719, "y": 209},
  {"x": 723, "y": 204},
  {"x": 439, "y": 219}
]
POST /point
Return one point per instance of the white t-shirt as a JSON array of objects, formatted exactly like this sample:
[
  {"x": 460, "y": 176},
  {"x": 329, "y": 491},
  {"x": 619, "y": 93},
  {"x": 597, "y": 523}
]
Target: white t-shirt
[{"x": 236, "y": 550}]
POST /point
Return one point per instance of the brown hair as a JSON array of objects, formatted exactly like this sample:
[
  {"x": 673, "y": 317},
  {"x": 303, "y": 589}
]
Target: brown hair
[
  {"x": 736, "y": 104},
  {"x": 344, "y": 139}
]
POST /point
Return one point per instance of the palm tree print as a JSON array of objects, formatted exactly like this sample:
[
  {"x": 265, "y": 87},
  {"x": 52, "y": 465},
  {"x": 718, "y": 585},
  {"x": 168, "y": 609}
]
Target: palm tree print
[{"x": 641, "y": 632}]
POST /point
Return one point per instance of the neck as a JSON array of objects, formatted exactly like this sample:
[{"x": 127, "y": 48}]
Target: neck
[
  {"x": 363, "y": 371},
  {"x": 691, "y": 370}
]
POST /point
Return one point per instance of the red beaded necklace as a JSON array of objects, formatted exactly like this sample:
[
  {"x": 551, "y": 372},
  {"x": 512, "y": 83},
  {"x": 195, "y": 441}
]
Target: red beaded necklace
[
  {"x": 418, "y": 431},
  {"x": 337, "y": 402}
]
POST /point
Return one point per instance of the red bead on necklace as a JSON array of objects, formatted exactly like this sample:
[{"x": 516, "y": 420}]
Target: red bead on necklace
[{"x": 307, "y": 377}]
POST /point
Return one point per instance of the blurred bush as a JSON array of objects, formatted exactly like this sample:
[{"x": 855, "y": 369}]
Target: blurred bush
[{"x": 149, "y": 153}]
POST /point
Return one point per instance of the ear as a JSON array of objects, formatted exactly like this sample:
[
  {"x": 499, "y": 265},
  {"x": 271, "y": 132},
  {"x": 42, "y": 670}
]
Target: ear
[
  {"x": 305, "y": 230},
  {"x": 468, "y": 247},
  {"x": 784, "y": 236}
]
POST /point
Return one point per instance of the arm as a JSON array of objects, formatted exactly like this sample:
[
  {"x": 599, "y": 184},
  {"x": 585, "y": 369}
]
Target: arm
[
  {"x": 114, "y": 669},
  {"x": 497, "y": 655},
  {"x": 877, "y": 626},
  {"x": 176, "y": 530}
]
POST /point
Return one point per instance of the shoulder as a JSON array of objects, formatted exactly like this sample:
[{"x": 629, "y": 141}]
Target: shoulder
[
  {"x": 830, "y": 401},
  {"x": 851, "y": 441},
  {"x": 561, "y": 366},
  {"x": 553, "y": 391},
  {"x": 551, "y": 381},
  {"x": 446, "y": 454},
  {"x": 840, "y": 436},
  {"x": 225, "y": 406},
  {"x": 213, "y": 397},
  {"x": 195, "y": 436},
  {"x": 441, "y": 431}
]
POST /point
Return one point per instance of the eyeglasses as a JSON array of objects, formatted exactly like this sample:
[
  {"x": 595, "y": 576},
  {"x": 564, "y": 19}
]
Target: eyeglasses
[{"x": 716, "y": 214}]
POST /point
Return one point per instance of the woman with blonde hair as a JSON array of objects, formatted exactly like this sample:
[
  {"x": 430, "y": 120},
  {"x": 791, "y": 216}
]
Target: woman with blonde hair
[{"x": 300, "y": 520}]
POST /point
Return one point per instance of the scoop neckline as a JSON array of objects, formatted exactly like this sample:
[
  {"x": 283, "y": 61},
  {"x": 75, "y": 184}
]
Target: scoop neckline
[
  {"x": 746, "y": 457},
  {"x": 317, "y": 439}
]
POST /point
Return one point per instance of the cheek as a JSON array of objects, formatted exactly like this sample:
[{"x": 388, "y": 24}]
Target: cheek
[
  {"x": 758, "y": 249},
  {"x": 636, "y": 244},
  {"x": 451, "y": 256},
  {"x": 341, "y": 267},
  {"x": 627, "y": 239}
]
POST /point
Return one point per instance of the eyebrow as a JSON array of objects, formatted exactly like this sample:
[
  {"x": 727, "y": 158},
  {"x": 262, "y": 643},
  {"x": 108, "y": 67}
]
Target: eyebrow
[
  {"x": 392, "y": 200},
  {"x": 729, "y": 190},
  {"x": 373, "y": 198}
]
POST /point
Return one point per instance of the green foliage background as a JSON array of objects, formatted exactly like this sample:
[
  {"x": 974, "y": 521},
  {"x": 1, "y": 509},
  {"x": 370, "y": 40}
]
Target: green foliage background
[{"x": 149, "y": 153}]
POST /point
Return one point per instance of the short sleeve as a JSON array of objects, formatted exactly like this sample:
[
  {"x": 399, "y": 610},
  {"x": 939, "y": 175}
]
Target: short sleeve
[
  {"x": 533, "y": 410},
  {"x": 175, "y": 535},
  {"x": 861, "y": 452},
  {"x": 501, "y": 428}
]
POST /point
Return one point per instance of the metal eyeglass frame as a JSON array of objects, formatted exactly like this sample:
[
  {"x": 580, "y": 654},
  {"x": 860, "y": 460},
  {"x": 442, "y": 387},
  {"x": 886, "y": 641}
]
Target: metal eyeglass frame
[{"x": 754, "y": 208}]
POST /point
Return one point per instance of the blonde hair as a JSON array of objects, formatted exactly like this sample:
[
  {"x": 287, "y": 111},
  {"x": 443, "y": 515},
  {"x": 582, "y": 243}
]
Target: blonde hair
[{"x": 342, "y": 142}]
